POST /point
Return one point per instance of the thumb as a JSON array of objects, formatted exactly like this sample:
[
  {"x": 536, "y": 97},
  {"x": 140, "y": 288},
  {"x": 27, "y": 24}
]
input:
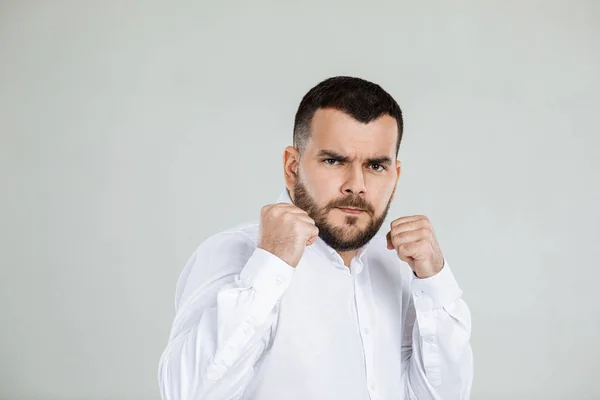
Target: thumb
[{"x": 388, "y": 237}]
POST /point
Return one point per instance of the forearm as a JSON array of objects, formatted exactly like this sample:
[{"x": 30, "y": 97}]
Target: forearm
[
  {"x": 214, "y": 344},
  {"x": 441, "y": 361}
]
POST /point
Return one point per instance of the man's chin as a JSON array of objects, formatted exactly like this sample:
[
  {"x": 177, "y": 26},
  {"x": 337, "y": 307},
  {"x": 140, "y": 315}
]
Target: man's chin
[
  {"x": 341, "y": 220},
  {"x": 347, "y": 234}
]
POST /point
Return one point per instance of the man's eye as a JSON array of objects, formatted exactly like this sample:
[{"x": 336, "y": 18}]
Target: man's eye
[
  {"x": 331, "y": 161},
  {"x": 377, "y": 167}
]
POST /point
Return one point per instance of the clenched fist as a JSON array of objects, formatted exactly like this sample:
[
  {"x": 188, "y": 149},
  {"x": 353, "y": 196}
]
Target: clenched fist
[
  {"x": 415, "y": 242},
  {"x": 285, "y": 231}
]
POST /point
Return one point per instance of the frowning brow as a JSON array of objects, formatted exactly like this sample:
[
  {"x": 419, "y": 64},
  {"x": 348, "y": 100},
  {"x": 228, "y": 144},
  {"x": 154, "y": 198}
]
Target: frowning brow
[
  {"x": 333, "y": 155},
  {"x": 383, "y": 160}
]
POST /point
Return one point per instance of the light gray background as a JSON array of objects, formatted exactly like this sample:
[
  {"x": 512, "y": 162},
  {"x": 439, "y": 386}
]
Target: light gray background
[{"x": 131, "y": 131}]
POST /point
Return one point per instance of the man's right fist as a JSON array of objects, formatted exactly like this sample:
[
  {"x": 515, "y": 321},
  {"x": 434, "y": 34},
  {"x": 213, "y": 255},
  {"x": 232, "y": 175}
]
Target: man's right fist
[{"x": 285, "y": 231}]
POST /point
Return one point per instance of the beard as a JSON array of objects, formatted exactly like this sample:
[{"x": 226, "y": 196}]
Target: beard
[{"x": 339, "y": 237}]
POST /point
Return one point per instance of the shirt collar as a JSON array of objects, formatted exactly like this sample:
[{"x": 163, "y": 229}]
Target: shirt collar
[{"x": 319, "y": 245}]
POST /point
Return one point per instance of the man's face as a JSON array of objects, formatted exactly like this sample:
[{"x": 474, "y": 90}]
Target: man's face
[{"x": 347, "y": 176}]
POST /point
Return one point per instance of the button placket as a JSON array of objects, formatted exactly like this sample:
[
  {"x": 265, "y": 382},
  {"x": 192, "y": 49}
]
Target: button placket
[{"x": 365, "y": 324}]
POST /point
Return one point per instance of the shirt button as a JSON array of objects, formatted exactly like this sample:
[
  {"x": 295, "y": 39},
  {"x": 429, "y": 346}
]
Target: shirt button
[
  {"x": 372, "y": 386},
  {"x": 278, "y": 281},
  {"x": 366, "y": 331},
  {"x": 231, "y": 347},
  {"x": 247, "y": 329},
  {"x": 214, "y": 372}
]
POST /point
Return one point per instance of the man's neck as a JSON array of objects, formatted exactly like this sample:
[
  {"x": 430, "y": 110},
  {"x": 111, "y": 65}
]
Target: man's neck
[{"x": 347, "y": 256}]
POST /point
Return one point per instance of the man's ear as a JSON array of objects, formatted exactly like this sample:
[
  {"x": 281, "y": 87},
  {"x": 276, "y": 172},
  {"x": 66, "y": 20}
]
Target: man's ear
[{"x": 291, "y": 162}]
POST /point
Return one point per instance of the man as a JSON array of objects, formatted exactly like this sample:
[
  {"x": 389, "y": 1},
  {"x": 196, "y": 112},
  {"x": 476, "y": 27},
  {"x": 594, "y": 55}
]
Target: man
[{"x": 309, "y": 303}]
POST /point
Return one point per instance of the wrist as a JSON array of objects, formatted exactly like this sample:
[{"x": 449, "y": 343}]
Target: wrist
[{"x": 434, "y": 270}]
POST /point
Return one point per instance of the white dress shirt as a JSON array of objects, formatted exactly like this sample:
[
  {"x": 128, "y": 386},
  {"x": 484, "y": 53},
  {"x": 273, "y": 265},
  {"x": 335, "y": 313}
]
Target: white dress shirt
[{"x": 250, "y": 326}]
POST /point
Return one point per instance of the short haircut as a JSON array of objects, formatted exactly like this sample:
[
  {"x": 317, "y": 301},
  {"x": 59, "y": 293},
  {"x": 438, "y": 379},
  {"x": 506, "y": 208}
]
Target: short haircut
[{"x": 362, "y": 100}]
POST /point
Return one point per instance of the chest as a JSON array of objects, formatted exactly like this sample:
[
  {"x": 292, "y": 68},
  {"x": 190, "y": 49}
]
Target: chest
[{"x": 328, "y": 311}]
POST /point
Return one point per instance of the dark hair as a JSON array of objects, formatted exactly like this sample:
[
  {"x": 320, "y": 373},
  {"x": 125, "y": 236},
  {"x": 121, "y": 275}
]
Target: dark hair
[{"x": 362, "y": 100}]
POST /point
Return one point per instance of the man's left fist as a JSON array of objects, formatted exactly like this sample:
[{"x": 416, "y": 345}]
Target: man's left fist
[{"x": 415, "y": 242}]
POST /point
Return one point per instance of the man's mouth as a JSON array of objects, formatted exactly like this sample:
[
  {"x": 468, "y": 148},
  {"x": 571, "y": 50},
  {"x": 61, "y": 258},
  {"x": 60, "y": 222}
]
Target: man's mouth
[{"x": 351, "y": 210}]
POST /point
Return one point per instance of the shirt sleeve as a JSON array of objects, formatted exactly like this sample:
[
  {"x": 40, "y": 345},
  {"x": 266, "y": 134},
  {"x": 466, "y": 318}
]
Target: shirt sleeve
[
  {"x": 436, "y": 344},
  {"x": 226, "y": 308}
]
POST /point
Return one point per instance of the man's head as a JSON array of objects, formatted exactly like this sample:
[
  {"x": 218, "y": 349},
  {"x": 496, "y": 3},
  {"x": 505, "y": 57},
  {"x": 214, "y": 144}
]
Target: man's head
[{"x": 342, "y": 169}]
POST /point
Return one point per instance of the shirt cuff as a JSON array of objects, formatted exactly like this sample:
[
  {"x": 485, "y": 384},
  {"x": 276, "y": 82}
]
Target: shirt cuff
[
  {"x": 441, "y": 289},
  {"x": 266, "y": 271}
]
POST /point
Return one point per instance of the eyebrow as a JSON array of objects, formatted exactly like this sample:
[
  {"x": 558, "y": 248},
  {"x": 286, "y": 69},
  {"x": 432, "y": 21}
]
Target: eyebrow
[{"x": 338, "y": 157}]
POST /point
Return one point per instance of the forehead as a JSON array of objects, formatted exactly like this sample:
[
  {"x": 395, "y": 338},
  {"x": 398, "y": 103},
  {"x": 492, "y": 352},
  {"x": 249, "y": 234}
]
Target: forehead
[{"x": 335, "y": 130}]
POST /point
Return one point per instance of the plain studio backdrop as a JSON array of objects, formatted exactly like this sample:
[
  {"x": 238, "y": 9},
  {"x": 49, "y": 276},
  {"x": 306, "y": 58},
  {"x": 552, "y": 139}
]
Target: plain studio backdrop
[{"x": 131, "y": 131}]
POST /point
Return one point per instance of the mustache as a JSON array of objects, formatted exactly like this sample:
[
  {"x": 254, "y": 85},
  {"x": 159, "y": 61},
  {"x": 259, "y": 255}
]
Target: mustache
[{"x": 351, "y": 201}]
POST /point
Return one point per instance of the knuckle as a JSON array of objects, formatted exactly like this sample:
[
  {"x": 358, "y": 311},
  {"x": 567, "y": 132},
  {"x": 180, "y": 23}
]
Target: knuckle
[
  {"x": 402, "y": 235},
  {"x": 287, "y": 216}
]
